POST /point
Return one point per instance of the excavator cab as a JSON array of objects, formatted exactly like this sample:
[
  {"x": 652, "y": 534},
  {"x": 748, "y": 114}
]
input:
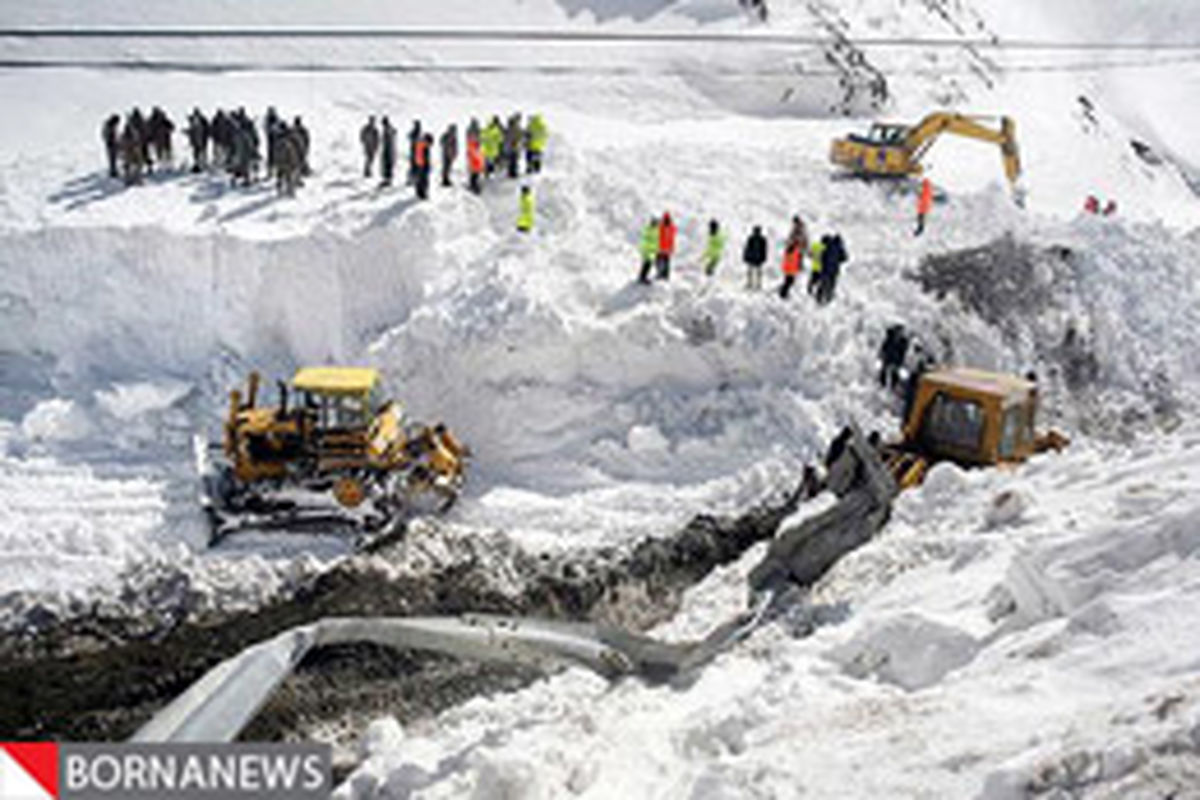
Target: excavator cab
[{"x": 971, "y": 417}]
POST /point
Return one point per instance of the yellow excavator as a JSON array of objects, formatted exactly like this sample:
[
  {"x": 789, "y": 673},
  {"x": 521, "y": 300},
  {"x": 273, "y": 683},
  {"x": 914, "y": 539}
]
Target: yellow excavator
[{"x": 895, "y": 151}]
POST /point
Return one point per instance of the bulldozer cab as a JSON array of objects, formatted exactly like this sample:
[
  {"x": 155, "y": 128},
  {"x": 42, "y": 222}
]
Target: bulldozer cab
[
  {"x": 338, "y": 398},
  {"x": 882, "y": 133},
  {"x": 972, "y": 417}
]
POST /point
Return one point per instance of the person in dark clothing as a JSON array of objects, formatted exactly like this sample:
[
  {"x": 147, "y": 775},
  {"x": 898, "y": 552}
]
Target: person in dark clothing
[
  {"x": 755, "y": 255},
  {"x": 198, "y": 133},
  {"x": 272, "y": 131},
  {"x": 110, "y": 132},
  {"x": 510, "y": 148},
  {"x": 833, "y": 255},
  {"x": 891, "y": 355},
  {"x": 135, "y": 123},
  {"x": 303, "y": 140},
  {"x": 221, "y": 131},
  {"x": 387, "y": 154},
  {"x": 368, "y": 137},
  {"x": 449, "y": 146}
]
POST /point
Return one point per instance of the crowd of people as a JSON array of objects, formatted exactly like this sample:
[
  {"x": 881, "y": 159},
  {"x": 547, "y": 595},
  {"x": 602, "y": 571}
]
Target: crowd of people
[
  {"x": 825, "y": 256},
  {"x": 227, "y": 141},
  {"x": 493, "y": 149}
]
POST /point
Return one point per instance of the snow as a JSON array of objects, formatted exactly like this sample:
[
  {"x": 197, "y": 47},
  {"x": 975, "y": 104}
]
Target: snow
[{"x": 1007, "y": 630}]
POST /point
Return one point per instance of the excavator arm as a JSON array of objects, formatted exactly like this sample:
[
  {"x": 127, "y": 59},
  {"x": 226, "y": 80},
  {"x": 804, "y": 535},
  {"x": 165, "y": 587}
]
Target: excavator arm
[{"x": 923, "y": 136}]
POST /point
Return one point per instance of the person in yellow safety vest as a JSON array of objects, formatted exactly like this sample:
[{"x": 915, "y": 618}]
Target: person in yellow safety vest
[
  {"x": 490, "y": 140},
  {"x": 815, "y": 252},
  {"x": 535, "y": 143},
  {"x": 525, "y": 215},
  {"x": 714, "y": 248},
  {"x": 648, "y": 249}
]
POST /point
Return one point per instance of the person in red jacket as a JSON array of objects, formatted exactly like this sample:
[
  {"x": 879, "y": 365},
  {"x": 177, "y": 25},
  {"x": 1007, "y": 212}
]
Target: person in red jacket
[
  {"x": 791, "y": 268},
  {"x": 421, "y": 164},
  {"x": 475, "y": 164},
  {"x": 666, "y": 246},
  {"x": 924, "y": 205}
]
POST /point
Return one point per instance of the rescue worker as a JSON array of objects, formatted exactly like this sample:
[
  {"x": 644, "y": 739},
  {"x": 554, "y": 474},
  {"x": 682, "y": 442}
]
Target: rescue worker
[
  {"x": 666, "y": 246},
  {"x": 221, "y": 132},
  {"x": 755, "y": 255},
  {"x": 303, "y": 140},
  {"x": 136, "y": 124},
  {"x": 526, "y": 211},
  {"x": 924, "y": 205},
  {"x": 535, "y": 143},
  {"x": 798, "y": 235},
  {"x": 475, "y": 164},
  {"x": 110, "y": 132},
  {"x": 159, "y": 128},
  {"x": 368, "y": 137},
  {"x": 816, "y": 260},
  {"x": 473, "y": 129},
  {"x": 832, "y": 258},
  {"x": 272, "y": 129},
  {"x": 288, "y": 160},
  {"x": 714, "y": 248},
  {"x": 131, "y": 155},
  {"x": 491, "y": 139},
  {"x": 449, "y": 146},
  {"x": 891, "y": 356},
  {"x": 197, "y": 133},
  {"x": 648, "y": 249},
  {"x": 792, "y": 258},
  {"x": 1092, "y": 204},
  {"x": 414, "y": 136},
  {"x": 511, "y": 147},
  {"x": 387, "y": 155},
  {"x": 422, "y": 153}
]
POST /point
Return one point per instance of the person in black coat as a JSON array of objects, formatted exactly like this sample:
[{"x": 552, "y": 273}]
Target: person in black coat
[
  {"x": 832, "y": 259},
  {"x": 755, "y": 255},
  {"x": 891, "y": 356}
]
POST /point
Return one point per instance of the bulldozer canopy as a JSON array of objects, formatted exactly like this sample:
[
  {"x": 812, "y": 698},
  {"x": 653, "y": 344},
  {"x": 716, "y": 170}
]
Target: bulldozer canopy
[
  {"x": 336, "y": 380},
  {"x": 978, "y": 382}
]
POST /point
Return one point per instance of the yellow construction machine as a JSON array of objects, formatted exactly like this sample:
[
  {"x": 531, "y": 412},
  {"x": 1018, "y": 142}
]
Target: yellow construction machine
[
  {"x": 895, "y": 151},
  {"x": 332, "y": 452},
  {"x": 971, "y": 417}
]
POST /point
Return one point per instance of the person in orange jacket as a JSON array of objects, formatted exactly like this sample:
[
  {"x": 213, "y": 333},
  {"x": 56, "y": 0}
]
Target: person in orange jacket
[
  {"x": 792, "y": 258},
  {"x": 475, "y": 164},
  {"x": 666, "y": 246},
  {"x": 422, "y": 152},
  {"x": 924, "y": 205}
]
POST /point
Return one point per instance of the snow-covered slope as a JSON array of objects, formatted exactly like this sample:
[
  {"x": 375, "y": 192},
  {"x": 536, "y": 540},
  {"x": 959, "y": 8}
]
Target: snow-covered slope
[{"x": 1003, "y": 622}]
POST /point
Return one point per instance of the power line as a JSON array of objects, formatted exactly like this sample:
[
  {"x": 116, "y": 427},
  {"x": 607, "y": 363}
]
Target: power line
[
  {"x": 567, "y": 35},
  {"x": 551, "y": 70}
]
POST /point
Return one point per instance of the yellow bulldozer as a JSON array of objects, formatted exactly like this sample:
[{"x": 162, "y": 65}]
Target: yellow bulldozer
[
  {"x": 895, "y": 151},
  {"x": 332, "y": 453},
  {"x": 971, "y": 417}
]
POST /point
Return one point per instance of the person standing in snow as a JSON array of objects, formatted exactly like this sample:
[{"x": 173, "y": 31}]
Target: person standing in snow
[
  {"x": 387, "y": 155},
  {"x": 422, "y": 155},
  {"x": 648, "y": 249},
  {"x": 511, "y": 146},
  {"x": 832, "y": 258},
  {"x": 449, "y": 146},
  {"x": 526, "y": 210},
  {"x": 368, "y": 137},
  {"x": 792, "y": 258},
  {"x": 535, "y": 143},
  {"x": 924, "y": 205},
  {"x": 475, "y": 164},
  {"x": 891, "y": 356},
  {"x": 110, "y": 132},
  {"x": 755, "y": 255},
  {"x": 473, "y": 129},
  {"x": 816, "y": 261},
  {"x": 714, "y": 248},
  {"x": 304, "y": 141},
  {"x": 798, "y": 235},
  {"x": 197, "y": 134},
  {"x": 666, "y": 246},
  {"x": 414, "y": 136},
  {"x": 131, "y": 155},
  {"x": 491, "y": 139}
]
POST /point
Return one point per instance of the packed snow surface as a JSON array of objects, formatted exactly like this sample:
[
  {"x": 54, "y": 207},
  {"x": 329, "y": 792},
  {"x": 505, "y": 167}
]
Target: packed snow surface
[{"x": 1009, "y": 631}]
